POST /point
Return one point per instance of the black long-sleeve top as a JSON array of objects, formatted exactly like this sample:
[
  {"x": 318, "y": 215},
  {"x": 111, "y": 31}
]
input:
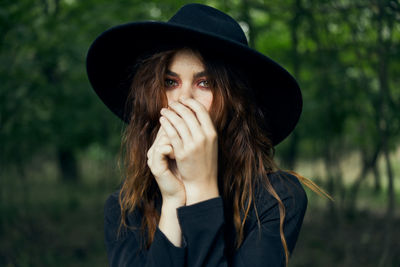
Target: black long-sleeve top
[{"x": 208, "y": 232}]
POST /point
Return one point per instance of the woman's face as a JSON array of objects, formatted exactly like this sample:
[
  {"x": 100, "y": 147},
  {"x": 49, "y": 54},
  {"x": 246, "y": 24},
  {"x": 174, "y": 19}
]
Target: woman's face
[{"x": 186, "y": 77}]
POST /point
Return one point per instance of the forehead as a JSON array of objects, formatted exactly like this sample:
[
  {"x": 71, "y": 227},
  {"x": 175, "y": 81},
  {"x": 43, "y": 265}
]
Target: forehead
[{"x": 186, "y": 59}]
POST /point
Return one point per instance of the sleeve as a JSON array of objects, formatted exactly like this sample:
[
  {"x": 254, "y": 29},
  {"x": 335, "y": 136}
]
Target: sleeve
[
  {"x": 202, "y": 226},
  {"x": 203, "y": 229},
  {"x": 124, "y": 249}
]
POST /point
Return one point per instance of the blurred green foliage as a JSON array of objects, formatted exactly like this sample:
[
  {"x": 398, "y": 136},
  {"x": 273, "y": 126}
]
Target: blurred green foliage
[{"x": 59, "y": 144}]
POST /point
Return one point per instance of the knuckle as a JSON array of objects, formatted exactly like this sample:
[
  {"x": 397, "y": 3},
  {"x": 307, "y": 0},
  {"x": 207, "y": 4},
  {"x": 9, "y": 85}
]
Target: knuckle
[
  {"x": 174, "y": 134},
  {"x": 180, "y": 156},
  {"x": 198, "y": 105},
  {"x": 200, "y": 144},
  {"x": 179, "y": 124},
  {"x": 162, "y": 150},
  {"x": 190, "y": 150},
  {"x": 212, "y": 135},
  {"x": 157, "y": 150},
  {"x": 201, "y": 140}
]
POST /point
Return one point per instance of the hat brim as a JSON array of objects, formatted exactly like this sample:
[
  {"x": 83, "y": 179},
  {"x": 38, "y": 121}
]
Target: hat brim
[{"x": 113, "y": 53}]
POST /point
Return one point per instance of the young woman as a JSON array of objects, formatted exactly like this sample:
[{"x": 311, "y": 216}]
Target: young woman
[{"x": 204, "y": 112}]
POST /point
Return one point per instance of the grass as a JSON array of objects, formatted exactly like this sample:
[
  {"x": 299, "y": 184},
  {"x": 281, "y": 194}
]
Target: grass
[
  {"x": 55, "y": 225},
  {"x": 331, "y": 242}
]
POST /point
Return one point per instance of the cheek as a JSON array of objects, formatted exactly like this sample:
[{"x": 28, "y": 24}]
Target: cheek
[{"x": 172, "y": 96}]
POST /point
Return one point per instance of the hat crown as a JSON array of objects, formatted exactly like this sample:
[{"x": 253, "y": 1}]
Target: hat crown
[{"x": 209, "y": 20}]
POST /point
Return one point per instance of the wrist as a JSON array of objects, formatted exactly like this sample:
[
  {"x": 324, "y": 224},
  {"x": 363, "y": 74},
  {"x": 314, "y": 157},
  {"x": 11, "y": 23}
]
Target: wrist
[
  {"x": 172, "y": 203},
  {"x": 169, "y": 224},
  {"x": 196, "y": 192}
]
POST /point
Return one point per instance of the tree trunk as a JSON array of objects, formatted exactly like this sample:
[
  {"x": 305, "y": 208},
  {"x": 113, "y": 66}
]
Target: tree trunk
[
  {"x": 369, "y": 163},
  {"x": 387, "y": 250},
  {"x": 334, "y": 186},
  {"x": 377, "y": 179},
  {"x": 294, "y": 35},
  {"x": 383, "y": 44},
  {"x": 68, "y": 165}
]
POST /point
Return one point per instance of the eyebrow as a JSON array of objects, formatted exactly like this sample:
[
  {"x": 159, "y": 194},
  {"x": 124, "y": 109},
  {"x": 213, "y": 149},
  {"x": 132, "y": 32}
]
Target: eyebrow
[{"x": 195, "y": 76}]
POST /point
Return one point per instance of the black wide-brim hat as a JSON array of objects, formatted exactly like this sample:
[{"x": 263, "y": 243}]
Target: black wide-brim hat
[{"x": 112, "y": 55}]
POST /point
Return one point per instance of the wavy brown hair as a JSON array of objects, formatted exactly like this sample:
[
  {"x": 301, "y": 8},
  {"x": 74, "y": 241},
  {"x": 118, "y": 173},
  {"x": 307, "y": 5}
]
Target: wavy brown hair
[{"x": 240, "y": 127}]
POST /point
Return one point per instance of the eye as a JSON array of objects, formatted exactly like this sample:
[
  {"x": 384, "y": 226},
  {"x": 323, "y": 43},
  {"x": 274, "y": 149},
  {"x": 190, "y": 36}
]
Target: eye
[
  {"x": 170, "y": 83},
  {"x": 204, "y": 84}
]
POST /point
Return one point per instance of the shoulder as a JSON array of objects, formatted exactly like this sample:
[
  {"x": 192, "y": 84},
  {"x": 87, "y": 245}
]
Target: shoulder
[
  {"x": 112, "y": 211},
  {"x": 112, "y": 219},
  {"x": 112, "y": 208},
  {"x": 287, "y": 187}
]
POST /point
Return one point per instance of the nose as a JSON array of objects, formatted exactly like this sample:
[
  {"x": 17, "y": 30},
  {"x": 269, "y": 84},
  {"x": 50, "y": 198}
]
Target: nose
[{"x": 186, "y": 90}]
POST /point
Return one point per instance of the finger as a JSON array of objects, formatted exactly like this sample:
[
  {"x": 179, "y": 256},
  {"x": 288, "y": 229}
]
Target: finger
[
  {"x": 179, "y": 124},
  {"x": 189, "y": 117},
  {"x": 164, "y": 150},
  {"x": 157, "y": 153},
  {"x": 160, "y": 133},
  {"x": 163, "y": 141},
  {"x": 172, "y": 135},
  {"x": 156, "y": 139},
  {"x": 201, "y": 114},
  {"x": 158, "y": 161},
  {"x": 160, "y": 139}
]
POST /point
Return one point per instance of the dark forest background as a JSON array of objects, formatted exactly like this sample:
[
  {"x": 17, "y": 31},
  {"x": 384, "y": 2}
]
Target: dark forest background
[{"x": 59, "y": 144}]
